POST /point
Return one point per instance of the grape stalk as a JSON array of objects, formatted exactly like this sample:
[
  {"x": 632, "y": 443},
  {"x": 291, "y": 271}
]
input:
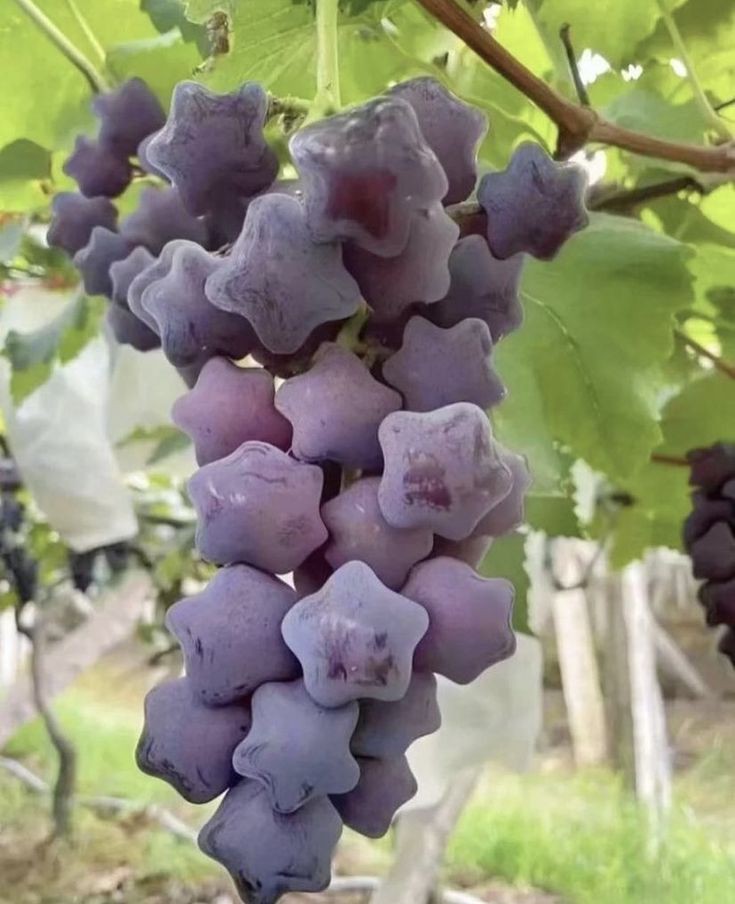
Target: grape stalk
[{"x": 337, "y": 336}]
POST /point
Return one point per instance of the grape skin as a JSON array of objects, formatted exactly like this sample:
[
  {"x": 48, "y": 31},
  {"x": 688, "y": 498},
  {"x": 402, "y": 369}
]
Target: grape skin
[
  {"x": 282, "y": 853},
  {"x": 74, "y": 217},
  {"x": 258, "y": 506},
  {"x": 354, "y": 638},
  {"x": 127, "y": 115},
  {"x": 508, "y": 514},
  {"x": 95, "y": 259},
  {"x": 230, "y": 634},
  {"x": 283, "y": 284},
  {"x": 335, "y": 409},
  {"x": 365, "y": 173},
  {"x": 123, "y": 272},
  {"x": 129, "y": 330},
  {"x": 469, "y": 619},
  {"x": 191, "y": 328},
  {"x": 465, "y": 351},
  {"x": 358, "y": 531},
  {"x": 97, "y": 170},
  {"x": 212, "y": 146},
  {"x": 452, "y": 129},
  {"x": 188, "y": 744},
  {"x": 160, "y": 218},
  {"x": 443, "y": 470},
  {"x": 229, "y": 406},
  {"x": 384, "y": 786},
  {"x": 297, "y": 749}
]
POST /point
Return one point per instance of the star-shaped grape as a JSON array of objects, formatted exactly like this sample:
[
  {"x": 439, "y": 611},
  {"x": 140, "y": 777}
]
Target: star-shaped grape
[
  {"x": 228, "y": 406},
  {"x": 260, "y": 507},
  {"x": 443, "y": 470},
  {"x": 465, "y": 351},
  {"x": 97, "y": 169},
  {"x": 481, "y": 286},
  {"x": 212, "y": 146},
  {"x": 507, "y": 515},
  {"x": 420, "y": 273},
  {"x": 297, "y": 749},
  {"x": 129, "y": 330},
  {"x": 190, "y": 745},
  {"x": 452, "y": 129},
  {"x": 279, "y": 280},
  {"x": 95, "y": 259},
  {"x": 123, "y": 272},
  {"x": 145, "y": 279},
  {"x": 335, "y": 409},
  {"x": 365, "y": 173},
  {"x": 387, "y": 730},
  {"x": 354, "y": 638},
  {"x": 159, "y": 218},
  {"x": 469, "y": 619},
  {"x": 128, "y": 115},
  {"x": 358, "y": 531},
  {"x": 191, "y": 328},
  {"x": 384, "y": 786},
  {"x": 74, "y": 218},
  {"x": 230, "y": 634},
  {"x": 269, "y": 854},
  {"x": 534, "y": 205}
]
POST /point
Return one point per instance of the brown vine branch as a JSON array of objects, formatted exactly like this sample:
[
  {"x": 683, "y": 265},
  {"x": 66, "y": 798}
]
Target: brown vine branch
[
  {"x": 579, "y": 85},
  {"x": 723, "y": 366},
  {"x": 630, "y": 198},
  {"x": 577, "y": 125},
  {"x": 673, "y": 460}
]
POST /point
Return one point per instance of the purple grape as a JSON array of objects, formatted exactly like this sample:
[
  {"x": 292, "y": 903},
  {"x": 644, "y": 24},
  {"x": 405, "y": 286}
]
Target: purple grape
[
  {"x": 124, "y": 271},
  {"x": 534, "y": 205},
  {"x": 98, "y": 170},
  {"x": 145, "y": 163},
  {"x": 365, "y": 173},
  {"x": 297, "y": 362},
  {"x": 95, "y": 259},
  {"x": 443, "y": 470},
  {"x": 711, "y": 467},
  {"x": 297, "y": 749},
  {"x": 230, "y": 634},
  {"x": 188, "y": 744},
  {"x": 465, "y": 351},
  {"x": 481, "y": 286},
  {"x": 726, "y": 646},
  {"x": 260, "y": 507},
  {"x": 279, "y": 280},
  {"x": 335, "y": 409},
  {"x": 452, "y": 129},
  {"x": 704, "y": 514},
  {"x": 384, "y": 786},
  {"x": 358, "y": 531},
  {"x": 387, "y": 730},
  {"x": 354, "y": 638},
  {"x": 128, "y": 330},
  {"x": 74, "y": 218},
  {"x": 145, "y": 279},
  {"x": 713, "y": 554},
  {"x": 191, "y": 328},
  {"x": 269, "y": 854},
  {"x": 719, "y": 601},
  {"x": 128, "y": 115},
  {"x": 420, "y": 273},
  {"x": 159, "y": 218},
  {"x": 472, "y": 550},
  {"x": 212, "y": 146},
  {"x": 312, "y": 573},
  {"x": 469, "y": 619},
  {"x": 508, "y": 514},
  {"x": 229, "y": 406}
]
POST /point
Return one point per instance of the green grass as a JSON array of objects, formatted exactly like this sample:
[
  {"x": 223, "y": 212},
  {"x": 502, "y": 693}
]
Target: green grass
[{"x": 581, "y": 835}]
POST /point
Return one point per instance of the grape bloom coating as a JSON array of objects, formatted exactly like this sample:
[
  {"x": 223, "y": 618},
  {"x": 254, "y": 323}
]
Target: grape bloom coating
[{"x": 336, "y": 333}]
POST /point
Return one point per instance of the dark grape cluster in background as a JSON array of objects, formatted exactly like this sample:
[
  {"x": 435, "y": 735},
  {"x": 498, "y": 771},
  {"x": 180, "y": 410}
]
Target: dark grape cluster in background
[
  {"x": 351, "y": 453},
  {"x": 709, "y": 536}
]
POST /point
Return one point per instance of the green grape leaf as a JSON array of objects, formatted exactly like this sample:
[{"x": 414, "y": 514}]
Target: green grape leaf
[
  {"x": 553, "y": 514},
  {"x": 507, "y": 559},
  {"x": 169, "y": 14},
  {"x": 33, "y": 355},
  {"x": 161, "y": 61},
  {"x": 25, "y": 169},
  {"x": 583, "y": 371}
]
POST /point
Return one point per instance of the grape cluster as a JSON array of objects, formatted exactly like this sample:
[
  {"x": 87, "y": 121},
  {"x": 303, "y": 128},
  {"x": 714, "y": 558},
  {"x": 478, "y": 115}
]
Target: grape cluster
[
  {"x": 709, "y": 536},
  {"x": 356, "y": 460}
]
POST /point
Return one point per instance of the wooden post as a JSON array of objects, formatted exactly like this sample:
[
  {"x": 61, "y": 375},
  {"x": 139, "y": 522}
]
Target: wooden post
[
  {"x": 650, "y": 744},
  {"x": 577, "y": 659}
]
